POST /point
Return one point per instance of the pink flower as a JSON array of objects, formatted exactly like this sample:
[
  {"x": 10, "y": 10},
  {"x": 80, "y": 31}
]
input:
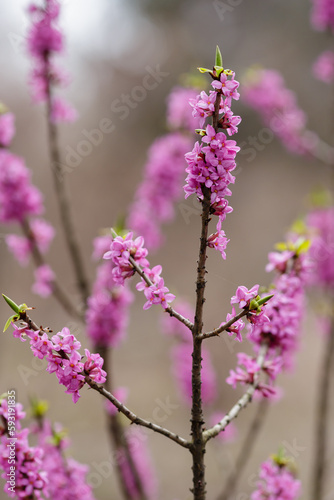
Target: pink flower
[
  {"x": 93, "y": 367},
  {"x": 323, "y": 67},
  {"x": 244, "y": 296},
  {"x": 20, "y": 247},
  {"x": 179, "y": 114},
  {"x": 43, "y": 233},
  {"x": 62, "y": 111},
  {"x": 7, "y": 128},
  {"x": 276, "y": 482},
  {"x": 218, "y": 240},
  {"x": 160, "y": 188},
  {"x": 44, "y": 278},
  {"x": 236, "y": 327},
  {"x": 279, "y": 260}
]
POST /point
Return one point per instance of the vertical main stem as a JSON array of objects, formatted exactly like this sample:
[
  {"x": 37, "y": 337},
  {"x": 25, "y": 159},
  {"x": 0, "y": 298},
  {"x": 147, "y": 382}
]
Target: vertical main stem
[
  {"x": 198, "y": 446},
  {"x": 64, "y": 204},
  {"x": 320, "y": 455}
]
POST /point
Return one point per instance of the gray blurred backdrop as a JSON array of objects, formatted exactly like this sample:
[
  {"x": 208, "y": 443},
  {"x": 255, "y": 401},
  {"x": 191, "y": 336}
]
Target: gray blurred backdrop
[{"x": 109, "y": 44}]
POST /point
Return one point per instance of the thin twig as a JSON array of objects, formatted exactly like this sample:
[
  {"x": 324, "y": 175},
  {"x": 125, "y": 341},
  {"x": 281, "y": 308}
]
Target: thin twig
[
  {"x": 241, "y": 404},
  {"x": 225, "y": 326},
  {"x": 134, "y": 418},
  {"x": 245, "y": 451},
  {"x": 321, "y": 445},
  {"x": 168, "y": 309},
  {"x": 39, "y": 260},
  {"x": 122, "y": 408},
  {"x": 64, "y": 200}
]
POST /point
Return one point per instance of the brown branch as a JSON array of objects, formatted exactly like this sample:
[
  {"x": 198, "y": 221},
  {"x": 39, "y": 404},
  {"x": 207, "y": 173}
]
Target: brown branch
[
  {"x": 64, "y": 200},
  {"x": 224, "y": 327},
  {"x": 242, "y": 402},
  {"x": 134, "y": 418},
  {"x": 321, "y": 444},
  {"x": 122, "y": 408},
  {"x": 168, "y": 309},
  {"x": 39, "y": 260}
]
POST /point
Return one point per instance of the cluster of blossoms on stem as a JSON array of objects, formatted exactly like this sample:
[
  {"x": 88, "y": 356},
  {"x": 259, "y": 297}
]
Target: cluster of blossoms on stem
[
  {"x": 30, "y": 477},
  {"x": 276, "y": 481},
  {"x": 322, "y": 15},
  {"x": 64, "y": 359},
  {"x": 278, "y": 325},
  {"x": 65, "y": 474},
  {"x": 19, "y": 201},
  {"x": 107, "y": 307},
  {"x": 211, "y": 162},
  {"x": 44, "y": 40},
  {"x": 124, "y": 248},
  {"x": 266, "y": 92},
  {"x": 160, "y": 188}
]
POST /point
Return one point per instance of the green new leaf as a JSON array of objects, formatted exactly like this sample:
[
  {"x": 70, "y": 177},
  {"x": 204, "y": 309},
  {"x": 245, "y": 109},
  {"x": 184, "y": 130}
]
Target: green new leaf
[
  {"x": 218, "y": 70},
  {"x": 204, "y": 70},
  {"x": 281, "y": 246},
  {"x": 264, "y": 300},
  {"x": 12, "y": 304},
  {"x": 303, "y": 247},
  {"x": 13, "y": 318},
  {"x": 219, "y": 59}
]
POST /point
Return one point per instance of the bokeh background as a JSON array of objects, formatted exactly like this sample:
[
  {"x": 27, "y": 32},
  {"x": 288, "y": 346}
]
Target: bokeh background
[{"x": 109, "y": 45}]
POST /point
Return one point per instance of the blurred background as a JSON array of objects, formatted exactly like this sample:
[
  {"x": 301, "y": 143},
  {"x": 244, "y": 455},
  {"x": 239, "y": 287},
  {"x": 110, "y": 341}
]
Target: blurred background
[{"x": 110, "y": 43}]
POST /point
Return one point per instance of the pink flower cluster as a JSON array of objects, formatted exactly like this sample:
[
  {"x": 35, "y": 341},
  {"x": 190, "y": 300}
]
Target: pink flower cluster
[
  {"x": 267, "y": 94},
  {"x": 43, "y": 41},
  {"x": 211, "y": 162},
  {"x": 323, "y": 67},
  {"x": 121, "y": 249},
  {"x": 322, "y": 15},
  {"x": 18, "y": 197},
  {"x": 19, "y": 200},
  {"x": 320, "y": 223},
  {"x": 7, "y": 127},
  {"x": 278, "y": 324},
  {"x": 30, "y": 478},
  {"x": 64, "y": 358},
  {"x": 67, "y": 477},
  {"x": 107, "y": 307},
  {"x": 179, "y": 115},
  {"x": 160, "y": 188},
  {"x": 276, "y": 482}
]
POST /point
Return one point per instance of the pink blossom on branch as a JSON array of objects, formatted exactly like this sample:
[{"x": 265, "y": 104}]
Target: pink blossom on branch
[
  {"x": 276, "y": 481},
  {"x": 121, "y": 250},
  {"x": 323, "y": 67}
]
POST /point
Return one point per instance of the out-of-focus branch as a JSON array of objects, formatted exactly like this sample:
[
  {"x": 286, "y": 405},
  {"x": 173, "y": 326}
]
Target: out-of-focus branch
[
  {"x": 57, "y": 291},
  {"x": 321, "y": 444},
  {"x": 245, "y": 452},
  {"x": 64, "y": 203}
]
